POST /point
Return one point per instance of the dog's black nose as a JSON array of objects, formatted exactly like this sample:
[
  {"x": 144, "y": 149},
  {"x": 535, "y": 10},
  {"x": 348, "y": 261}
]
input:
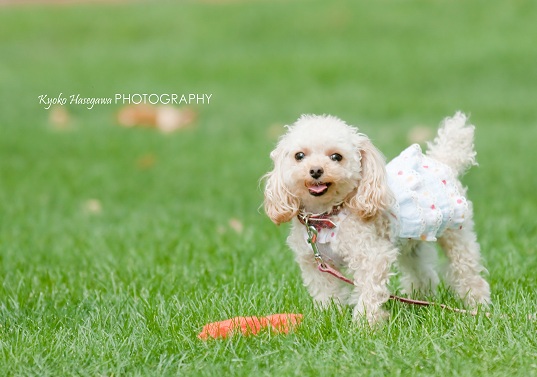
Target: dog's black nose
[{"x": 316, "y": 172}]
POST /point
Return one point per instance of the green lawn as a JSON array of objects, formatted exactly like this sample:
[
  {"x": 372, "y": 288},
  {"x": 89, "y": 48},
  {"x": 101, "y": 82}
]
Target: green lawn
[{"x": 118, "y": 245}]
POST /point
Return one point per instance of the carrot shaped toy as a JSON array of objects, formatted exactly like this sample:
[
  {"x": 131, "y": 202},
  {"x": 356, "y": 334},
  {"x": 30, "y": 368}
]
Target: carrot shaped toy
[{"x": 278, "y": 323}]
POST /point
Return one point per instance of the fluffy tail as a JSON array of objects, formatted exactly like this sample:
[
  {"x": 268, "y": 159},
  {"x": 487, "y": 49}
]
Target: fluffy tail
[{"x": 454, "y": 144}]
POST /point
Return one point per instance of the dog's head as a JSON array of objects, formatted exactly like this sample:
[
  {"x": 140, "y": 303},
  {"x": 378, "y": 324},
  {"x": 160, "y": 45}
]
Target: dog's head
[{"x": 321, "y": 162}]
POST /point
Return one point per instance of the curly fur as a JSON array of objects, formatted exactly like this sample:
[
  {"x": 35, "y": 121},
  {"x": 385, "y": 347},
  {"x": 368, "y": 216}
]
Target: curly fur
[{"x": 364, "y": 246}]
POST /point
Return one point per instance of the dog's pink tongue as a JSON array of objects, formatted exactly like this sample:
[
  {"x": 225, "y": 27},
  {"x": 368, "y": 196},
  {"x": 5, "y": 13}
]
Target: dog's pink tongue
[{"x": 317, "y": 189}]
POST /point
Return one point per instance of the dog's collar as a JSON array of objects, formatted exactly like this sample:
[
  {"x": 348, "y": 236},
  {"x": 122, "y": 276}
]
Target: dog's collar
[{"x": 320, "y": 220}]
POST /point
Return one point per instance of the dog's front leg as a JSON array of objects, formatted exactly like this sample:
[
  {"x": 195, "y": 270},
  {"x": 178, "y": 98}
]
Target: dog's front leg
[
  {"x": 324, "y": 288},
  {"x": 370, "y": 264}
]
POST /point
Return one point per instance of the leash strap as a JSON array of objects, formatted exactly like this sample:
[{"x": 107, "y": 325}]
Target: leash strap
[{"x": 332, "y": 271}]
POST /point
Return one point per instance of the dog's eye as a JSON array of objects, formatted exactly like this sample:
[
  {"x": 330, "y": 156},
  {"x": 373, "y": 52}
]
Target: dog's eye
[
  {"x": 299, "y": 156},
  {"x": 336, "y": 157}
]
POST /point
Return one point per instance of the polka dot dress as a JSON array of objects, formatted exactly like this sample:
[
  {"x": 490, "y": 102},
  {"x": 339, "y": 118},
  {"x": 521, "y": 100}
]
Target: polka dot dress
[{"x": 427, "y": 198}]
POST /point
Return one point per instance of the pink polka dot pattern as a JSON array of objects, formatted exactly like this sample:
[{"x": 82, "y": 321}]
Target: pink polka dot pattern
[{"x": 428, "y": 199}]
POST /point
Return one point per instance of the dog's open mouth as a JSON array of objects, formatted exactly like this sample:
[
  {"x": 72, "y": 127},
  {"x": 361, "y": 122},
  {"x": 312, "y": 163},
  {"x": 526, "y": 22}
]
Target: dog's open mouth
[{"x": 318, "y": 189}]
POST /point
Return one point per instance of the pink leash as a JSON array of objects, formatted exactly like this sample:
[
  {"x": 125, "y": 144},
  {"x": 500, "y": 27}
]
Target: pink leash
[{"x": 332, "y": 271}]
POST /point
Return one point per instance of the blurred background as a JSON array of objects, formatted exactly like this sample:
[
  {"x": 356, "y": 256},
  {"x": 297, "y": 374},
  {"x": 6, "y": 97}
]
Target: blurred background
[
  {"x": 137, "y": 222},
  {"x": 145, "y": 188}
]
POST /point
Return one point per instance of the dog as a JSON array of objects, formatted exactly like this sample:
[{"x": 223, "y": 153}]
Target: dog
[{"x": 351, "y": 212}]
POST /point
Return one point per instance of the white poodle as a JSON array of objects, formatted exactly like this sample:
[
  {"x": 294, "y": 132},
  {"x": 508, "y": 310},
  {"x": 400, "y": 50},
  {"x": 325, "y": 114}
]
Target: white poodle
[{"x": 352, "y": 212}]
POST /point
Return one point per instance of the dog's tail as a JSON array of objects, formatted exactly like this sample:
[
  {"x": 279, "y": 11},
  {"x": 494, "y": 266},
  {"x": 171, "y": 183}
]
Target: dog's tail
[{"x": 454, "y": 144}]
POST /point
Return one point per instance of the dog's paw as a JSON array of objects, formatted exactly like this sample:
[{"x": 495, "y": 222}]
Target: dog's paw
[
  {"x": 374, "y": 318},
  {"x": 479, "y": 294}
]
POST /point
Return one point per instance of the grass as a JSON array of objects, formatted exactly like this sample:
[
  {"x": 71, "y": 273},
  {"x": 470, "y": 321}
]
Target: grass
[{"x": 111, "y": 265}]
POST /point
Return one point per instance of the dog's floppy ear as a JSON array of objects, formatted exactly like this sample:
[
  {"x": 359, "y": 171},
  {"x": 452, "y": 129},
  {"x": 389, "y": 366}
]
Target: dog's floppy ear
[
  {"x": 280, "y": 205},
  {"x": 372, "y": 196}
]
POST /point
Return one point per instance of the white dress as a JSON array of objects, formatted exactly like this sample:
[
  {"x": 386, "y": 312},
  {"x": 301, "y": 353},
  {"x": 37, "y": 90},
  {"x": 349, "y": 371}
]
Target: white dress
[{"x": 428, "y": 200}]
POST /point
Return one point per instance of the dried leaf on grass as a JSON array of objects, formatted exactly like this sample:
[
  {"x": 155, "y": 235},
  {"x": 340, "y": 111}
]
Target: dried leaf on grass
[
  {"x": 92, "y": 206},
  {"x": 419, "y": 134},
  {"x": 59, "y": 119},
  {"x": 274, "y": 131},
  {"x": 236, "y": 225},
  {"x": 147, "y": 161},
  {"x": 164, "y": 118}
]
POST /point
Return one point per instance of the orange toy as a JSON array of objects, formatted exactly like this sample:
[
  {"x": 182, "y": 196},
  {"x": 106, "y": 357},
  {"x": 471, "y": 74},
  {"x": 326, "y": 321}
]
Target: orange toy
[{"x": 279, "y": 323}]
